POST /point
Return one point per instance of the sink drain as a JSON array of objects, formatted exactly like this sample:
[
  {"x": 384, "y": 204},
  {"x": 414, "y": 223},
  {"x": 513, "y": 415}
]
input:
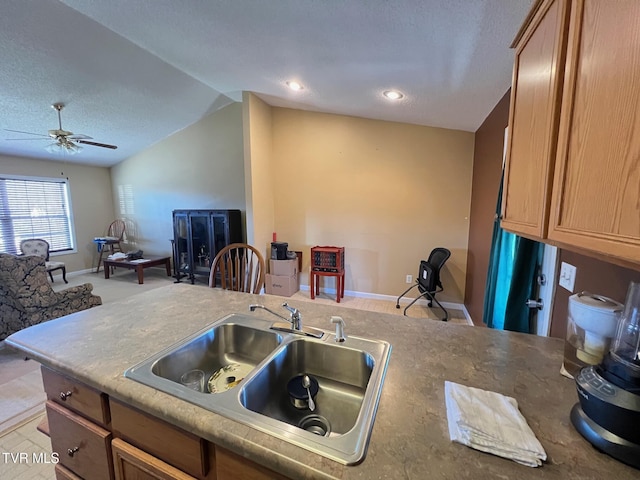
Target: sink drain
[{"x": 316, "y": 424}]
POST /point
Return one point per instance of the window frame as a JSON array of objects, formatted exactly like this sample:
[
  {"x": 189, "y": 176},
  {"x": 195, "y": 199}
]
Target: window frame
[{"x": 70, "y": 216}]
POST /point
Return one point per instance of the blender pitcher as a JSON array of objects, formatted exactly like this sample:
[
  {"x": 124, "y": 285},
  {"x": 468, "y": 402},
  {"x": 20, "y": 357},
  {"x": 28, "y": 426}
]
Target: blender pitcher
[
  {"x": 608, "y": 410},
  {"x": 626, "y": 345}
]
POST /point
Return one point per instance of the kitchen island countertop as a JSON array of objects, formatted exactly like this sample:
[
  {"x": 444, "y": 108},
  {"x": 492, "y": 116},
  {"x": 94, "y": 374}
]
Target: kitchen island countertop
[{"x": 410, "y": 438}]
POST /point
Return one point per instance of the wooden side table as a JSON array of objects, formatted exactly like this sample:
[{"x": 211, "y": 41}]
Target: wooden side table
[{"x": 314, "y": 283}]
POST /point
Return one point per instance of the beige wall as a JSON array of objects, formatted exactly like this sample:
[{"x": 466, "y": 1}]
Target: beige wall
[
  {"x": 388, "y": 192},
  {"x": 91, "y": 201},
  {"x": 258, "y": 172},
  {"x": 201, "y": 166}
]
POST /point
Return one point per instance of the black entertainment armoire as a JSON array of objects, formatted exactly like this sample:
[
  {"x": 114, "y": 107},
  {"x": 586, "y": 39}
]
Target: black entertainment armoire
[{"x": 198, "y": 235}]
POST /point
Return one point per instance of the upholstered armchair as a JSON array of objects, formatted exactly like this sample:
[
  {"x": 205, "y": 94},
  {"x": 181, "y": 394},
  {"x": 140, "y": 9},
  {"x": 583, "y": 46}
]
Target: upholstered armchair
[
  {"x": 26, "y": 296},
  {"x": 40, "y": 247}
]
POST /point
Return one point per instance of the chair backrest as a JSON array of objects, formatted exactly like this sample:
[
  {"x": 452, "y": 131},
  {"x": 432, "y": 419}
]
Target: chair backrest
[
  {"x": 241, "y": 268},
  {"x": 116, "y": 229},
  {"x": 429, "y": 273},
  {"x": 35, "y": 246},
  {"x": 438, "y": 257}
]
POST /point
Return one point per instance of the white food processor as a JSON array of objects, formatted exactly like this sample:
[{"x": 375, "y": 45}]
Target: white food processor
[{"x": 591, "y": 325}]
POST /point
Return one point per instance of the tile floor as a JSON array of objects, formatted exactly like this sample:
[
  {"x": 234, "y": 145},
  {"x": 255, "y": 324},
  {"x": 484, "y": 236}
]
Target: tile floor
[{"x": 33, "y": 445}]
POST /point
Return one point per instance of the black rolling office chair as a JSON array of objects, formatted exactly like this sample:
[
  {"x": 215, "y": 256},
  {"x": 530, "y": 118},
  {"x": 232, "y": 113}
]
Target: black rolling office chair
[{"x": 428, "y": 281}]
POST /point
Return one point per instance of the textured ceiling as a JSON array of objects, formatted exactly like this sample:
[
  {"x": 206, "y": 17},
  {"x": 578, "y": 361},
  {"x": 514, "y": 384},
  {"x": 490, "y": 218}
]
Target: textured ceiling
[{"x": 132, "y": 72}]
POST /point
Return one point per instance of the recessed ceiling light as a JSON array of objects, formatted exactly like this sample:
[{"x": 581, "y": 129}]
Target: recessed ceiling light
[
  {"x": 393, "y": 94},
  {"x": 293, "y": 85}
]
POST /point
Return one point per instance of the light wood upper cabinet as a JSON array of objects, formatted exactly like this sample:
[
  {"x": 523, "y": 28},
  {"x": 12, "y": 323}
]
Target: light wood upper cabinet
[
  {"x": 573, "y": 160},
  {"x": 533, "y": 119},
  {"x": 596, "y": 192}
]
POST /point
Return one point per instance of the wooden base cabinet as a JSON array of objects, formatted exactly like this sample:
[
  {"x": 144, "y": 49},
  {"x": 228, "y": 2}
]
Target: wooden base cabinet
[
  {"x": 144, "y": 443},
  {"x": 572, "y": 172},
  {"x": 103, "y": 439}
]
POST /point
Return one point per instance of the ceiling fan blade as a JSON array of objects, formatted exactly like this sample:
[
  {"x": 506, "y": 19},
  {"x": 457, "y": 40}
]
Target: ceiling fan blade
[
  {"x": 79, "y": 136},
  {"x": 96, "y": 144},
  {"x": 28, "y": 133},
  {"x": 43, "y": 138}
]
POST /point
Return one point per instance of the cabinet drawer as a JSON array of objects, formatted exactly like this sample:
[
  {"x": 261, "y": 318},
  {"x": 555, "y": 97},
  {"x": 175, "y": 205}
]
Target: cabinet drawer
[
  {"x": 76, "y": 396},
  {"x": 83, "y": 447},
  {"x": 131, "y": 463},
  {"x": 63, "y": 473},
  {"x": 177, "y": 447}
]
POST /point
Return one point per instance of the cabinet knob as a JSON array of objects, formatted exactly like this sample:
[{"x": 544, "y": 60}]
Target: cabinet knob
[
  {"x": 64, "y": 396},
  {"x": 72, "y": 451}
]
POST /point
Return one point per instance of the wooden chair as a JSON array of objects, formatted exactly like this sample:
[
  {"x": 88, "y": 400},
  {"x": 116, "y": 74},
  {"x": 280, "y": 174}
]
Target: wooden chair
[
  {"x": 40, "y": 248},
  {"x": 240, "y": 267},
  {"x": 115, "y": 235}
]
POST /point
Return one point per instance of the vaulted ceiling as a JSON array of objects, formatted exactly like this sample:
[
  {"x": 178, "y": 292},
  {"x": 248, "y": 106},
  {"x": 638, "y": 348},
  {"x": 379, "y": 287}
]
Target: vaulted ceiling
[{"x": 132, "y": 72}]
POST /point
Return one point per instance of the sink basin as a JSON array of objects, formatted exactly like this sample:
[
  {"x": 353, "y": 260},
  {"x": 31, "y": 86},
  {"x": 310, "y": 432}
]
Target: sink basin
[
  {"x": 343, "y": 376},
  {"x": 218, "y": 347},
  {"x": 350, "y": 377}
]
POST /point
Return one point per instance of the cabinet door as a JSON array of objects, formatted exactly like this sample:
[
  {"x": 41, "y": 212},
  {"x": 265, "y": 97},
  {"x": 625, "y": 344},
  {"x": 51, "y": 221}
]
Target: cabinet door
[
  {"x": 133, "y": 464},
  {"x": 596, "y": 198},
  {"x": 220, "y": 232},
  {"x": 181, "y": 242},
  {"x": 533, "y": 120},
  {"x": 200, "y": 244}
]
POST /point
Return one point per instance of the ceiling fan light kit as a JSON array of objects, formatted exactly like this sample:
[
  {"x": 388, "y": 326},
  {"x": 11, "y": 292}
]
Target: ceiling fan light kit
[
  {"x": 64, "y": 140},
  {"x": 63, "y": 146}
]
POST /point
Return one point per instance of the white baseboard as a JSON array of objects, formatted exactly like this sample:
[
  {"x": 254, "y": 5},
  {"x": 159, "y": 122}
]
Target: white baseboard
[
  {"x": 390, "y": 298},
  {"x": 352, "y": 293}
]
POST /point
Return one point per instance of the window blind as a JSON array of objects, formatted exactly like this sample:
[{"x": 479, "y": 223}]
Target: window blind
[{"x": 34, "y": 208}]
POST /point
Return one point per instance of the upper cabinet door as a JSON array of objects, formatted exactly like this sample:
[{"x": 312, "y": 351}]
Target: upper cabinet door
[
  {"x": 596, "y": 192},
  {"x": 533, "y": 119}
]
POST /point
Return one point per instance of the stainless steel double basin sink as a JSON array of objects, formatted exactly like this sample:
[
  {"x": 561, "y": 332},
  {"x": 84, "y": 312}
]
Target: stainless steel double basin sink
[{"x": 256, "y": 364}]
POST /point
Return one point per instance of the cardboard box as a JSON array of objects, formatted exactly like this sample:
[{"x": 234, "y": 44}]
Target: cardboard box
[
  {"x": 285, "y": 268},
  {"x": 285, "y": 285}
]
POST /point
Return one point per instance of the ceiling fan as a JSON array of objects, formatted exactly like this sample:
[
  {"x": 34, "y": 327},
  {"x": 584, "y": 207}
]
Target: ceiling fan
[{"x": 64, "y": 140}]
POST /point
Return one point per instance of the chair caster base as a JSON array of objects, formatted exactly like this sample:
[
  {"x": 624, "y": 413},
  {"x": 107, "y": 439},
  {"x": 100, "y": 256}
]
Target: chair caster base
[{"x": 397, "y": 305}]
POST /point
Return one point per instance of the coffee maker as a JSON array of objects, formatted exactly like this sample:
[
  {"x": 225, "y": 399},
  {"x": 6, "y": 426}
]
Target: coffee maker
[{"x": 608, "y": 412}]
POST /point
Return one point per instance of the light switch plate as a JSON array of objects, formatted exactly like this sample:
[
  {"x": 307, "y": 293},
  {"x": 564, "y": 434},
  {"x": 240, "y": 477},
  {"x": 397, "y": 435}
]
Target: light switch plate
[{"x": 567, "y": 276}]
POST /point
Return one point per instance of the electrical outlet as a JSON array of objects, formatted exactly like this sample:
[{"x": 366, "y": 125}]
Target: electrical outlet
[
  {"x": 409, "y": 279},
  {"x": 567, "y": 276}
]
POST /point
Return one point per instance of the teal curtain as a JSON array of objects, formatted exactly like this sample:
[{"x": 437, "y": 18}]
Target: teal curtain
[{"x": 514, "y": 265}]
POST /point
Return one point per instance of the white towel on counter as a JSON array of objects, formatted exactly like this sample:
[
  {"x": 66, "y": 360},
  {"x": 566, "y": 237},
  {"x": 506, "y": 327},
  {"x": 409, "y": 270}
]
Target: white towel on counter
[{"x": 492, "y": 423}]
